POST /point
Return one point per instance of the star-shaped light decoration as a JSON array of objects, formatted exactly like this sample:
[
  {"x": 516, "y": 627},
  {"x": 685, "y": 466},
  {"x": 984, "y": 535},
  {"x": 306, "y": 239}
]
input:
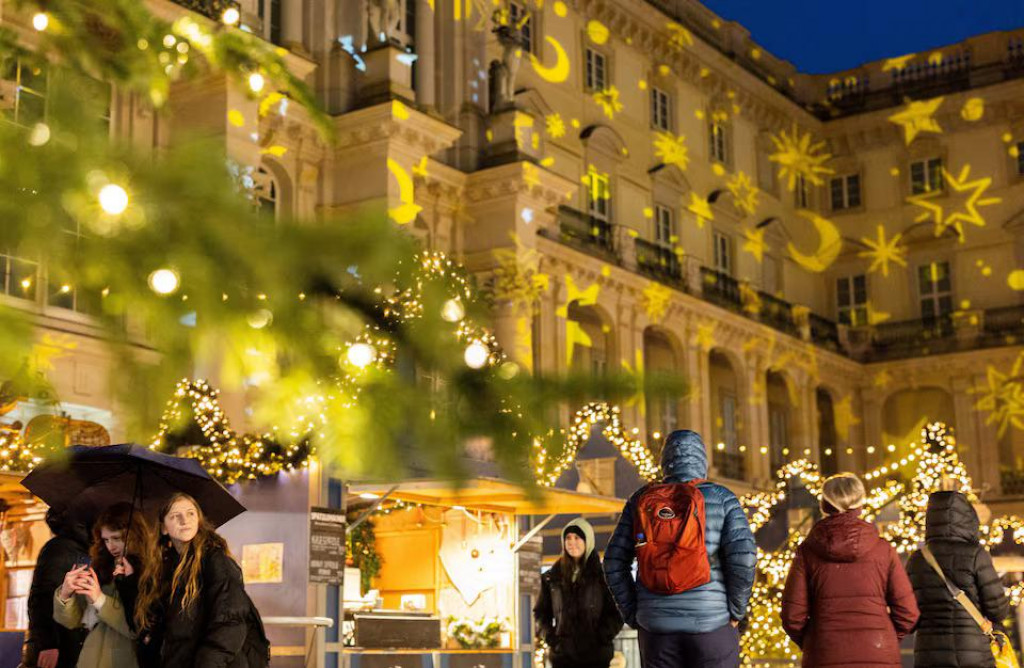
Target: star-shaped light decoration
[
  {"x": 797, "y": 156},
  {"x": 700, "y": 207},
  {"x": 970, "y": 192},
  {"x": 844, "y": 416},
  {"x": 882, "y": 379},
  {"x": 897, "y": 63},
  {"x": 705, "y": 337},
  {"x": 744, "y": 192},
  {"x": 755, "y": 243},
  {"x": 608, "y": 100},
  {"x": 679, "y": 36},
  {"x": 655, "y": 299},
  {"x": 554, "y": 125},
  {"x": 671, "y": 149},
  {"x": 1003, "y": 398},
  {"x": 517, "y": 278},
  {"x": 918, "y": 117},
  {"x": 882, "y": 252},
  {"x": 531, "y": 175}
]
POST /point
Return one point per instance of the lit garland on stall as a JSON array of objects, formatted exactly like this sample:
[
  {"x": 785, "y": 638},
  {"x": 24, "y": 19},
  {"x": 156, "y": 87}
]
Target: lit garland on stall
[{"x": 15, "y": 454}]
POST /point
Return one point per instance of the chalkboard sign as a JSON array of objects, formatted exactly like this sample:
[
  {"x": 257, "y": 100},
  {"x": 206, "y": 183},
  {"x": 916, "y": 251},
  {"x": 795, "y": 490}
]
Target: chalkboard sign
[
  {"x": 529, "y": 565},
  {"x": 326, "y": 546}
]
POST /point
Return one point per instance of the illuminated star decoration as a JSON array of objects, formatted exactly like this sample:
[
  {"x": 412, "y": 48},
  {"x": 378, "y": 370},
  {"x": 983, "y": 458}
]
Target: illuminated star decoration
[
  {"x": 755, "y": 244},
  {"x": 1003, "y": 398},
  {"x": 655, "y": 299},
  {"x": 882, "y": 379},
  {"x": 49, "y": 349},
  {"x": 797, "y": 156},
  {"x": 917, "y": 118},
  {"x": 574, "y": 332},
  {"x": 555, "y": 125},
  {"x": 608, "y": 100},
  {"x": 678, "y": 35},
  {"x": 700, "y": 207},
  {"x": 898, "y": 63},
  {"x": 671, "y": 149},
  {"x": 955, "y": 219},
  {"x": 744, "y": 192},
  {"x": 883, "y": 252},
  {"x": 517, "y": 278},
  {"x": 705, "y": 337},
  {"x": 531, "y": 175},
  {"x": 845, "y": 417}
]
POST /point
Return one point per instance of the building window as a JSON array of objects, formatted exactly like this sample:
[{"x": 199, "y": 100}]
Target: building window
[
  {"x": 770, "y": 275},
  {"x": 270, "y": 18},
  {"x": 664, "y": 226},
  {"x": 802, "y": 193},
  {"x": 926, "y": 176},
  {"x": 20, "y": 277},
  {"x": 597, "y": 71},
  {"x": 717, "y": 141},
  {"x": 266, "y": 194},
  {"x": 661, "y": 109},
  {"x": 30, "y": 85},
  {"x": 852, "y": 300},
  {"x": 1020, "y": 158},
  {"x": 519, "y": 16},
  {"x": 777, "y": 434},
  {"x": 599, "y": 202},
  {"x": 846, "y": 192},
  {"x": 936, "y": 290},
  {"x": 728, "y": 412},
  {"x": 597, "y": 475},
  {"x": 723, "y": 253}
]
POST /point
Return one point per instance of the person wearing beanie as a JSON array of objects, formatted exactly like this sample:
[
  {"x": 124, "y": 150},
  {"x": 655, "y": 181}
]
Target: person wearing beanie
[
  {"x": 847, "y": 601},
  {"x": 575, "y": 614}
]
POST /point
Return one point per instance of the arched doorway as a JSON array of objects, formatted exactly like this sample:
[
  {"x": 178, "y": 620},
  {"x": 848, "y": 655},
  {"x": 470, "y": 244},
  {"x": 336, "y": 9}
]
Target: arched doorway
[
  {"x": 727, "y": 430},
  {"x": 660, "y": 359},
  {"x": 828, "y": 440}
]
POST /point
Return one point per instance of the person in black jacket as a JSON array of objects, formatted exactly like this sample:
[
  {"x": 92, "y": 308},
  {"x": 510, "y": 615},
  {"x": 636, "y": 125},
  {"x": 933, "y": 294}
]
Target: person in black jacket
[
  {"x": 947, "y": 636},
  {"x": 203, "y": 615},
  {"x": 575, "y": 614},
  {"x": 47, "y": 643}
]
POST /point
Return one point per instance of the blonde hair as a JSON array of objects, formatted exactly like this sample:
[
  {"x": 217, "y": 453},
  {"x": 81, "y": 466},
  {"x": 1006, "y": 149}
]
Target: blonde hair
[{"x": 843, "y": 491}]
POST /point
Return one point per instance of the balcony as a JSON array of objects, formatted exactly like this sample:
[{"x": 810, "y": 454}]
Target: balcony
[
  {"x": 1003, "y": 326},
  {"x": 586, "y": 233},
  {"x": 721, "y": 289},
  {"x": 778, "y": 314},
  {"x": 660, "y": 263},
  {"x": 912, "y": 338},
  {"x": 824, "y": 333},
  {"x": 1012, "y": 482},
  {"x": 731, "y": 465}
]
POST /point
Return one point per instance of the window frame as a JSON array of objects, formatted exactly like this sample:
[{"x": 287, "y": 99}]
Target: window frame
[
  {"x": 722, "y": 252},
  {"x": 661, "y": 109},
  {"x": 854, "y": 313},
  {"x": 845, "y": 201},
  {"x": 931, "y": 169},
  {"x": 718, "y": 142},
  {"x": 590, "y": 83},
  {"x": 941, "y": 300},
  {"x": 802, "y": 193},
  {"x": 664, "y": 219},
  {"x": 593, "y": 210}
]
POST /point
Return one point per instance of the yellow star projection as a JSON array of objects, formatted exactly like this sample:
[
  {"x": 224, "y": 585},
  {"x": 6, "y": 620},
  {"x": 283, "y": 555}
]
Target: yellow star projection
[
  {"x": 845, "y": 416},
  {"x": 554, "y": 125},
  {"x": 1003, "y": 397},
  {"x": 531, "y": 175},
  {"x": 679, "y": 36},
  {"x": 608, "y": 100},
  {"x": 700, "y": 207},
  {"x": 883, "y": 252},
  {"x": 655, "y": 299},
  {"x": 744, "y": 192},
  {"x": 671, "y": 149},
  {"x": 970, "y": 193},
  {"x": 917, "y": 117},
  {"x": 829, "y": 244},
  {"x": 755, "y": 243},
  {"x": 882, "y": 379},
  {"x": 573, "y": 331},
  {"x": 406, "y": 212},
  {"x": 517, "y": 278},
  {"x": 796, "y": 156},
  {"x": 557, "y": 73},
  {"x": 897, "y": 63},
  {"x": 705, "y": 337}
]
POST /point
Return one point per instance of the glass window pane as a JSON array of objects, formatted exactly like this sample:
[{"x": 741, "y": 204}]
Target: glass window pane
[
  {"x": 843, "y": 292},
  {"x": 22, "y": 278},
  {"x": 853, "y": 191},
  {"x": 837, "y": 194}
]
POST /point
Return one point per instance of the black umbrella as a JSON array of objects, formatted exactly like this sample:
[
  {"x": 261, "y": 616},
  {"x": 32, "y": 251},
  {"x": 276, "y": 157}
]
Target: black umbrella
[{"x": 99, "y": 477}]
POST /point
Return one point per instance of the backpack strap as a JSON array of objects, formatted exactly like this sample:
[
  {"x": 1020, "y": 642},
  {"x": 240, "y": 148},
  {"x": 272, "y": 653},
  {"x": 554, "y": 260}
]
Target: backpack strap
[{"x": 958, "y": 594}]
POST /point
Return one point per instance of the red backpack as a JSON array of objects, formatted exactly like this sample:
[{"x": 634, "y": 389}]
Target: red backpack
[{"x": 669, "y": 525}]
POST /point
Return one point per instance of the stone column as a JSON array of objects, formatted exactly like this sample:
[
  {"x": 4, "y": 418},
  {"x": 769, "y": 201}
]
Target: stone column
[
  {"x": 697, "y": 402},
  {"x": 426, "y": 95},
  {"x": 871, "y": 411},
  {"x": 809, "y": 414},
  {"x": 755, "y": 411},
  {"x": 977, "y": 442},
  {"x": 291, "y": 26}
]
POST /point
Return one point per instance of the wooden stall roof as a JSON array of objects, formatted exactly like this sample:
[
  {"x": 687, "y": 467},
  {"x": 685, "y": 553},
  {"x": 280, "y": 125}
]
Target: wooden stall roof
[
  {"x": 492, "y": 495},
  {"x": 23, "y": 505}
]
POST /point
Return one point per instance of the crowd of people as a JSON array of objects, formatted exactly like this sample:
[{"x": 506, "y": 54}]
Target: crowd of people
[
  {"x": 127, "y": 594},
  {"x": 848, "y": 601}
]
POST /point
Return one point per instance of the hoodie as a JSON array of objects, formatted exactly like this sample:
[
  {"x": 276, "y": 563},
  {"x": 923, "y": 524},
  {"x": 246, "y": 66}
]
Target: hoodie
[
  {"x": 847, "y": 600},
  {"x": 727, "y": 537}
]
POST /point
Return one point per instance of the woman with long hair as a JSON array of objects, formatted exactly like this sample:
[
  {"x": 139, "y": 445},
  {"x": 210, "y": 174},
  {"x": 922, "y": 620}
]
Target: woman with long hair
[
  {"x": 847, "y": 601},
  {"x": 205, "y": 616},
  {"x": 575, "y": 614},
  {"x": 100, "y": 595}
]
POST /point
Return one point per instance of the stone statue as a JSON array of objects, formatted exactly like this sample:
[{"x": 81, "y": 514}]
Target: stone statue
[
  {"x": 504, "y": 71},
  {"x": 383, "y": 17}
]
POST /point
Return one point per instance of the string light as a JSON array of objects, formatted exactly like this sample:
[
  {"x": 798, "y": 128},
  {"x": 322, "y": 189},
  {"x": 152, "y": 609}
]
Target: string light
[
  {"x": 41, "y": 21},
  {"x": 476, "y": 355},
  {"x": 231, "y": 16},
  {"x": 164, "y": 281},
  {"x": 256, "y": 82},
  {"x": 361, "y": 355},
  {"x": 113, "y": 199}
]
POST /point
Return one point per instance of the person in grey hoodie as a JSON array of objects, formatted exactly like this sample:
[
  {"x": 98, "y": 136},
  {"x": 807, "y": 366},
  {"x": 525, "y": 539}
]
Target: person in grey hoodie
[{"x": 575, "y": 613}]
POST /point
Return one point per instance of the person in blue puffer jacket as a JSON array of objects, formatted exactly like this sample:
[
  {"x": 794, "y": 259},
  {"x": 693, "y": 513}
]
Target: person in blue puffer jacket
[{"x": 698, "y": 627}]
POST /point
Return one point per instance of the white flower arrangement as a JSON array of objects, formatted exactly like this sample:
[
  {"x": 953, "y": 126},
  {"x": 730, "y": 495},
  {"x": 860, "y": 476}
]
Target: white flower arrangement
[{"x": 482, "y": 634}]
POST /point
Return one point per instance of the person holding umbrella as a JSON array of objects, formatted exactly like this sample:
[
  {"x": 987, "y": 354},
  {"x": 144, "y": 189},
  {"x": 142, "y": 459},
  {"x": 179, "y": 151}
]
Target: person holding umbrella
[
  {"x": 123, "y": 547},
  {"x": 206, "y": 618}
]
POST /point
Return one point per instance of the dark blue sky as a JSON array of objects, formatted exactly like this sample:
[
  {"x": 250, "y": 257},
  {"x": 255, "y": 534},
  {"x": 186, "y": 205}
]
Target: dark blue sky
[{"x": 829, "y": 35}]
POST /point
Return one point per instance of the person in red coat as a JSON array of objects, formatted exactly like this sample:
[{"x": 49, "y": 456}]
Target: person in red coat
[{"x": 847, "y": 601}]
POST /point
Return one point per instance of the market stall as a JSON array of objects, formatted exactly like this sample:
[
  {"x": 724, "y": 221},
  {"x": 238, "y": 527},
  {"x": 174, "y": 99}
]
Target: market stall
[{"x": 22, "y": 534}]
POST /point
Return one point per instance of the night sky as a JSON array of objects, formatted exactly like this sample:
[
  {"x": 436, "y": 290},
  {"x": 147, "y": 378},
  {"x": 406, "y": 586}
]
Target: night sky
[{"x": 821, "y": 36}]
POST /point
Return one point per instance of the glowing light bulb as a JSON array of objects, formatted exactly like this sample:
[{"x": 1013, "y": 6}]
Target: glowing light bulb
[
  {"x": 41, "y": 21},
  {"x": 476, "y": 355},
  {"x": 39, "y": 135},
  {"x": 453, "y": 311},
  {"x": 361, "y": 355},
  {"x": 231, "y": 16},
  {"x": 871, "y": 449},
  {"x": 113, "y": 199},
  {"x": 164, "y": 281},
  {"x": 256, "y": 82}
]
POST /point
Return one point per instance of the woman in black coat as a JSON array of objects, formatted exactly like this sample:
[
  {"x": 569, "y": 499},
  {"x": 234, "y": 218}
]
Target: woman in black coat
[
  {"x": 947, "y": 636},
  {"x": 576, "y": 615}
]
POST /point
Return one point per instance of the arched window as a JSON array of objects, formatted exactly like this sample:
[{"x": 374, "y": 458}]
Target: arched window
[{"x": 266, "y": 193}]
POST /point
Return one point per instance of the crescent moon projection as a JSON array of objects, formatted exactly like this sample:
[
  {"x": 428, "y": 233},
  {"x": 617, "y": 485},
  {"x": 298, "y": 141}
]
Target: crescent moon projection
[
  {"x": 406, "y": 213},
  {"x": 828, "y": 247},
  {"x": 557, "y": 73}
]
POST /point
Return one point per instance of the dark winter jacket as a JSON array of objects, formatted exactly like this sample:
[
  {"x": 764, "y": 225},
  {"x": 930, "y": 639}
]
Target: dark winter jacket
[
  {"x": 222, "y": 629},
  {"x": 848, "y": 601},
  {"x": 729, "y": 542},
  {"x": 946, "y": 634},
  {"x": 58, "y": 556},
  {"x": 147, "y": 646},
  {"x": 576, "y": 614}
]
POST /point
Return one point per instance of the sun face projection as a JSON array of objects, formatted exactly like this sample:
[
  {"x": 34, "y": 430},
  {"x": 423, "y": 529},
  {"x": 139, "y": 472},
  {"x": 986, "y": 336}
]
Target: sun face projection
[
  {"x": 700, "y": 207},
  {"x": 884, "y": 251},
  {"x": 554, "y": 125},
  {"x": 829, "y": 244},
  {"x": 608, "y": 100},
  {"x": 744, "y": 192},
  {"x": 1003, "y": 397},
  {"x": 557, "y": 73},
  {"x": 755, "y": 244},
  {"x": 918, "y": 117},
  {"x": 968, "y": 196},
  {"x": 671, "y": 149},
  {"x": 796, "y": 156}
]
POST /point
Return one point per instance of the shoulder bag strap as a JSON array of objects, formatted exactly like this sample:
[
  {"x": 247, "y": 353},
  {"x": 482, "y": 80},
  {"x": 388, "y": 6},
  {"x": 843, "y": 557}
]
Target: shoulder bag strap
[{"x": 958, "y": 594}]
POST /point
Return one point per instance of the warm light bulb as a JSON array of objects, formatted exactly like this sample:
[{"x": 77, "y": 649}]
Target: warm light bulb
[
  {"x": 476, "y": 355},
  {"x": 453, "y": 311},
  {"x": 256, "y": 82},
  {"x": 39, "y": 135},
  {"x": 40, "y": 21},
  {"x": 164, "y": 281},
  {"x": 113, "y": 199},
  {"x": 361, "y": 355},
  {"x": 231, "y": 16}
]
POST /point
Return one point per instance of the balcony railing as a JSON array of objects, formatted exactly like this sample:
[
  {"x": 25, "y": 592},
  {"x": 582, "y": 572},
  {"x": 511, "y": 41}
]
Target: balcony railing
[
  {"x": 721, "y": 289},
  {"x": 585, "y": 232},
  {"x": 213, "y": 9},
  {"x": 731, "y": 465},
  {"x": 1003, "y": 325},
  {"x": 912, "y": 338},
  {"x": 1012, "y": 482},
  {"x": 824, "y": 332},
  {"x": 778, "y": 314},
  {"x": 659, "y": 262}
]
